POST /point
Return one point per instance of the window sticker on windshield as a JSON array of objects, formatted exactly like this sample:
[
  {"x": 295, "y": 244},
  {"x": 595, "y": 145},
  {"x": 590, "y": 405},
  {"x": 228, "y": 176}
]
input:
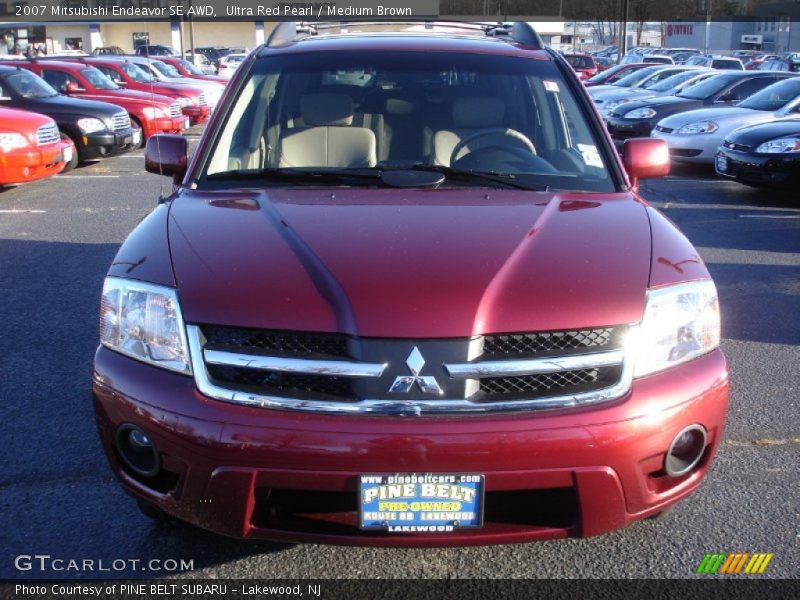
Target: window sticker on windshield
[
  {"x": 551, "y": 86},
  {"x": 590, "y": 155}
]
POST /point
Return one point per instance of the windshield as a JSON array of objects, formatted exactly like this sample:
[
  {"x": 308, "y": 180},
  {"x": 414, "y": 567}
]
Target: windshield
[
  {"x": 774, "y": 97},
  {"x": 670, "y": 82},
  {"x": 98, "y": 80},
  {"x": 636, "y": 77},
  {"x": 579, "y": 62},
  {"x": 190, "y": 67},
  {"x": 165, "y": 69},
  {"x": 708, "y": 88},
  {"x": 136, "y": 73},
  {"x": 28, "y": 85},
  {"x": 460, "y": 114}
]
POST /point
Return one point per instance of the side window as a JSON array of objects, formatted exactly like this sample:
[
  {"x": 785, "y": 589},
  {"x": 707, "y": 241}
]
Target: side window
[
  {"x": 111, "y": 74},
  {"x": 58, "y": 79},
  {"x": 749, "y": 87}
]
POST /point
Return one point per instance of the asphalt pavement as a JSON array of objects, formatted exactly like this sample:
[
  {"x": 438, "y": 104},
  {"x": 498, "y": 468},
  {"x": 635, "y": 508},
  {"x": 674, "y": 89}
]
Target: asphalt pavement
[{"x": 59, "y": 498}]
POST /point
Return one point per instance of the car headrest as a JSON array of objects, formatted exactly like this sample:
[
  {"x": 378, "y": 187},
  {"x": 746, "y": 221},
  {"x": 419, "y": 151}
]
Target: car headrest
[
  {"x": 325, "y": 109},
  {"x": 399, "y": 105},
  {"x": 476, "y": 112}
]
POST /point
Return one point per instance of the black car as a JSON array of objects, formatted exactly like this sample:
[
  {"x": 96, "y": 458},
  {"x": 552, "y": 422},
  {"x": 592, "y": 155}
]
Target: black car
[
  {"x": 638, "y": 118},
  {"x": 213, "y": 53},
  {"x": 97, "y": 129},
  {"x": 155, "y": 50},
  {"x": 766, "y": 155}
]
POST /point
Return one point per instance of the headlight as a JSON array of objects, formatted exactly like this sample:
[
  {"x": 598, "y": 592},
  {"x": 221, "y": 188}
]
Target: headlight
[
  {"x": 698, "y": 127},
  {"x": 680, "y": 323},
  {"x": 90, "y": 125},
  {"x": 184, "y": 102},
  {"x": 781, "y": 146},
  {"x": 11, "y": 139},
  {"x": 151, "y": 112},
  {"x": 144, "y": 321},
  {"x": 640, "y": 113}
]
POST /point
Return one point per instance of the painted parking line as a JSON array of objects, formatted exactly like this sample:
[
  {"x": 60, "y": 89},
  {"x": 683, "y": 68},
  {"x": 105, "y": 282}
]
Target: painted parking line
[
  {"x": 769, "y": 216},
  {"x": 15, "y": 211},
  {"x": 88, "y": 176}
]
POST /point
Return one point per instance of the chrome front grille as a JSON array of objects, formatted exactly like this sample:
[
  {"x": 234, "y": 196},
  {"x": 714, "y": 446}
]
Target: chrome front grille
[
  {"x": 201, "y": 99},
  {"x": 47, "y": 134},
  {"x": 120, "y": 121},
  {"x": 322, "y": 372},
  {"x": 175, "y": 110}
]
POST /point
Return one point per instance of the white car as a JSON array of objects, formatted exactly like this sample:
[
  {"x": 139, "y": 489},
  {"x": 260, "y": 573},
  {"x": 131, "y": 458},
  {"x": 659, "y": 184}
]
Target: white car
[
  {"x": 228, "y": 64},
  {"x": 695, "y": 135}
]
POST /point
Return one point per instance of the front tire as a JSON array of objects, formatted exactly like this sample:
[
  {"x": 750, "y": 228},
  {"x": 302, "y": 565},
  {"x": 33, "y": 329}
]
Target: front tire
[{"x": 75, "y": 158}]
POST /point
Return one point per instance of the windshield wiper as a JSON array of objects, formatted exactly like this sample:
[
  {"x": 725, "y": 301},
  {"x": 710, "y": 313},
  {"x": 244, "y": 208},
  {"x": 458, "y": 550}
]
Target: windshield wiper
[
  {"x": 470, "y": 175},
  {"x": 299, "y": 174}
]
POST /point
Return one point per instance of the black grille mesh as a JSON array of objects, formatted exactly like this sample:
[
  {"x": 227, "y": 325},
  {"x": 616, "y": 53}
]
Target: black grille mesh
[
  {"x": 295, "y": 385},
  {"x": 272, "y": 342},
  {"x": 547, "y": 342},
  {"x": 547, "y": 384}
]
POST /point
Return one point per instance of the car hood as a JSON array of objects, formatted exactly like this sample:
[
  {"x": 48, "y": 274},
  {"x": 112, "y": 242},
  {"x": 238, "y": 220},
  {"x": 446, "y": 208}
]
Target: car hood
[
  {"x": 722, "y": 116},
  {"x": 410, "y": 264},
  {"x": 619, "y": 94},
  {"x": 67, "y": 105},
  {"x": 755, "y": 135},
  {"x": 129, "y": 97}
]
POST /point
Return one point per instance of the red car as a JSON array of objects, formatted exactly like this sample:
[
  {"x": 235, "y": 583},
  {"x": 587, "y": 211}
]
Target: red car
[
  {"x": 187, "y": 69},
  {"x": 127, "y": 75},
  {"x": 31, "y": 147},
  {"x": 151, "y": 113},
  {"x": 410, "y": 304},
  {"x": 583, "y": 65}
]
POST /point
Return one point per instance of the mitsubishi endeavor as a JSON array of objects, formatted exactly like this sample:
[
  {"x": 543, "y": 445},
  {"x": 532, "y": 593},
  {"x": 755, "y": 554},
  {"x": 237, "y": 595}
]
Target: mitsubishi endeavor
[{"x": 405, "y": 293}]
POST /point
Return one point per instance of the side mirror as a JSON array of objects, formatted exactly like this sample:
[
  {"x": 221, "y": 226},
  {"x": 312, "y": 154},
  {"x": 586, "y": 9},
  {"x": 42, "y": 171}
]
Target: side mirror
[
  {"x": 166, "y": 154},
  {"x": 121, "y": 82},
  {"x": 644, "y": 158},
  {"x": 71, "y": 87}
]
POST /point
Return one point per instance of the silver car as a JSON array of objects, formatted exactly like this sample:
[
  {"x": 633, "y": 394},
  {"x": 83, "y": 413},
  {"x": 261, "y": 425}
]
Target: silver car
[
  {"x": 695, "y": 135},
  {"x": 666, "y": 87},
  {"x": 600, "y": 94}
]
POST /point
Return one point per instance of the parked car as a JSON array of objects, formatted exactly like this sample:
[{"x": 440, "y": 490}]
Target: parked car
[
  {"x": 201, "y": 62},
  {"x": 187, "y": 69},
  {"x": 680, "y": 58},
  {"x": 778, "y": 64},
  {"x": 97, "y": 129},
  {"x": 128, "y": 75},
  {"x": 666, "y": 87},
  {"x": 155, "y": 50},
  {"x": 151, "y": 113},
  {"x": 167, "y": 74},
  {"x": 604, "y": 63},
  {"x": 213, "y": 53},
  {"x": 274, "y": 370},
  {"x": 637, "y": 119},
  {"x": 694, "y": 136},
  {"x": 108, "y": 50},
  {"x": 716, "y": 62},
  {"x": 582, "y": 64},
  {"x": 228, "y": 65},
  {"x": 614, "y": 74},
  {"x": 31, "y": 147},
  {"x": 658, "y": 59},
  {"x": 643, "y": 81},
  {"x": 765, "y": 155}
]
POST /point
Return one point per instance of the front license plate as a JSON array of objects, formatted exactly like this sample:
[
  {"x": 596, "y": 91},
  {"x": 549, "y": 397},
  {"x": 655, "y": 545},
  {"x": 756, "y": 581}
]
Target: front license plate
[
  {"x": 722, "y": 164},
  {"x": 420, "y": 502},
  {"x": 137, "y": 136},
  {"x": 67, "y": 154},
  {"x": 187, "y": 123}
]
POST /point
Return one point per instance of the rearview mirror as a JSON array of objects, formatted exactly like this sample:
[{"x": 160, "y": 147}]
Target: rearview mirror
[
  {"x": 644, "y": 158},
  {"x": 166, "y": 154}
]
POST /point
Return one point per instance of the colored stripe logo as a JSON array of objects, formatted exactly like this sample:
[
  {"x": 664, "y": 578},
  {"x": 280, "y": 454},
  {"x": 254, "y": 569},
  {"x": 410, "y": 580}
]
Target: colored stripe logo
[{"x": 734, "y": 563}]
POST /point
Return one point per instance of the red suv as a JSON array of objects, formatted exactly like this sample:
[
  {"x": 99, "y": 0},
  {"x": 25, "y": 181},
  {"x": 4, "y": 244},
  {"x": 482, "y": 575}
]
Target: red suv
[
  {"x": 406, "y": 294},
  {"x": 583, "y": 64},
  {"x": 151, "y": 113},
  {"x": 126, "y": 74}
]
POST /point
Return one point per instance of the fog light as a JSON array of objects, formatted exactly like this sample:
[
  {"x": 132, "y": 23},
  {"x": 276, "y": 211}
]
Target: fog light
[
  {"x": 685, "y": 451},
  {"x": 137, "y": 450}
]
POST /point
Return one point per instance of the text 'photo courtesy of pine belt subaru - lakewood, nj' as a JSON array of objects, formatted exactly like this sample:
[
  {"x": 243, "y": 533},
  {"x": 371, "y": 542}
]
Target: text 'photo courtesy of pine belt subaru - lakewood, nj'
[{"x": 405, "y": 293}]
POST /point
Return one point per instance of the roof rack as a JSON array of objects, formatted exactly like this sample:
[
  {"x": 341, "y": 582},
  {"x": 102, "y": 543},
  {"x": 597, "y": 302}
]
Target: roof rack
[{"x": 520, "y": 32}]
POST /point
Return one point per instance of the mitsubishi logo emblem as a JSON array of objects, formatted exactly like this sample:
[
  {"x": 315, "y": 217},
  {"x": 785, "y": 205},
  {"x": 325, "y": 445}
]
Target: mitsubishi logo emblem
[{"x": 403, "y": 384}]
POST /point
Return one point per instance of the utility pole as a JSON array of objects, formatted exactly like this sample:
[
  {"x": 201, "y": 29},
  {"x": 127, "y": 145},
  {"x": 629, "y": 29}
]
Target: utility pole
[
  {"x": 623, "y": 33},
  {"x": 708, "y": 25}
]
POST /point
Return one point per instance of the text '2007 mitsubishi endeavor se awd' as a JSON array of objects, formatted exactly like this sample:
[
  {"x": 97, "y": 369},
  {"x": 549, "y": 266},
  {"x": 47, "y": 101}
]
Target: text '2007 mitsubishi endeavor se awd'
[{"x": 405, "y": 293}]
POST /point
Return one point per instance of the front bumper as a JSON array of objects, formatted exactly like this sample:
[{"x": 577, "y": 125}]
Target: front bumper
[
  {"x": 622, "y": 129},
  {"x": 758, "y": 169},
  {"x": 106, "y": 143},
  {"x": 698, "y": 149},
  {"x": 259, "y": 473},
  {"x": 30, "y": 164},
  {"x": 155, "y": 126},
  {"x": 197, "y": 114}
]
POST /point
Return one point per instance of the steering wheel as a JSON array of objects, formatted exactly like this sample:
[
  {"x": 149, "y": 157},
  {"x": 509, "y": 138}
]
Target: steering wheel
[{"x": 515, "y": 135}]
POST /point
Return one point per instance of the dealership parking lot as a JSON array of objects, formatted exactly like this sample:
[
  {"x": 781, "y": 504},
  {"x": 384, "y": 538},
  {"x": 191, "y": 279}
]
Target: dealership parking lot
[{"x": 59, "y": 498}]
